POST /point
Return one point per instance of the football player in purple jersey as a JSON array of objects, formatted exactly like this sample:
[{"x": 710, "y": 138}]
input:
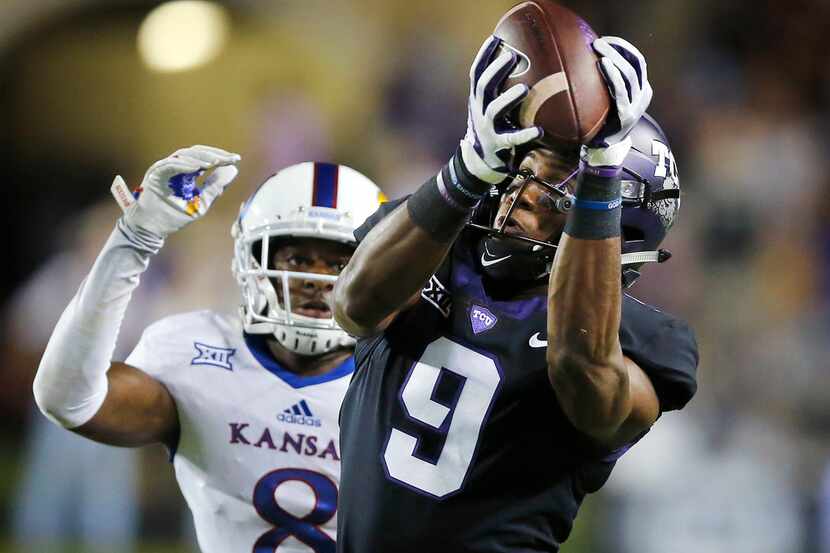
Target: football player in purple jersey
[{"x": 501, "y": 369}]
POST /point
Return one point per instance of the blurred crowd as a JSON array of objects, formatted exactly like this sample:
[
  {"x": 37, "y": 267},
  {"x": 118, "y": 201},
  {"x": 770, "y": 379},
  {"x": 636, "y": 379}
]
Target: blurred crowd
[{"x": 741, "y": 88}]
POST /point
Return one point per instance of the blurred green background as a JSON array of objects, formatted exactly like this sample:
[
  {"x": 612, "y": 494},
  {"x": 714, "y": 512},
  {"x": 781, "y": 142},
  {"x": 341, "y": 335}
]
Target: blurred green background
[{"x": 742, "y": 89}]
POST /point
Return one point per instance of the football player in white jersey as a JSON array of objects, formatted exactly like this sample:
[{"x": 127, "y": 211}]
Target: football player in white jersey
[{"x": 248, "y": 406}]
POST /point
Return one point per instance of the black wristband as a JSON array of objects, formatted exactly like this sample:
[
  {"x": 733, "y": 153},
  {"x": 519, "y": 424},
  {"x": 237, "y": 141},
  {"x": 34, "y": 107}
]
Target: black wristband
[
  {"x": 442, "y": 205},
  {"x": 598, "y": 206},
  {"x": 466, "y": 183},
  {"x": 430, "y": 210}
]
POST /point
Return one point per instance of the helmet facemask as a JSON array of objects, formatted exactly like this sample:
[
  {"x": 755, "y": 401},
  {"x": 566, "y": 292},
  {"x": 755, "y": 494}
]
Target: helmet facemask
[
  {"x": 510, "y": 256},
  {"x": 268, "y": 306},
  {"x": 527, "y": 259}
]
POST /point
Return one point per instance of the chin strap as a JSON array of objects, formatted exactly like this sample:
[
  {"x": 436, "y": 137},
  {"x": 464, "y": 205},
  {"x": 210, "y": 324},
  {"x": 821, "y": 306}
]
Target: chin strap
[
  {"x": 630, "y": 274},
  {"x": 637, "y": 258}
]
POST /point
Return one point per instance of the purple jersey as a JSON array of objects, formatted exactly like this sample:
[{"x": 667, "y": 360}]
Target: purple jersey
[{"x": 452, "y": 437}]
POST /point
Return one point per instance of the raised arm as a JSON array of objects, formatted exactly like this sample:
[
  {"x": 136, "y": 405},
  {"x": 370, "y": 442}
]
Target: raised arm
[
  {"x": 76, "y": 386},
  {"x": 399, "y": 255},
  {"x": 604, "y": 394},
  {"x": 389, "y": 268}
]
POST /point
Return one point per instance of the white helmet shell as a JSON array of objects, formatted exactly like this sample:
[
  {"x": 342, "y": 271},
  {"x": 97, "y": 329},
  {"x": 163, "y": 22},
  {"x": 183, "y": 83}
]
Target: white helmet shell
[{"x": 308, "y": 200}]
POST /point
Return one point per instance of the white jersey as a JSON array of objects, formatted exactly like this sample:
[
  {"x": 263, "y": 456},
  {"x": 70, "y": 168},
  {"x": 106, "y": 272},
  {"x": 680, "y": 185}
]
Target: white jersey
[{"x": 258, "y": 456}]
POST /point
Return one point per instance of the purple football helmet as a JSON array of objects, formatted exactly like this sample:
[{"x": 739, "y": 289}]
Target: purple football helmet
[
  {"x": 651, "y": 197},
  {"x": 650, "y": 201}
]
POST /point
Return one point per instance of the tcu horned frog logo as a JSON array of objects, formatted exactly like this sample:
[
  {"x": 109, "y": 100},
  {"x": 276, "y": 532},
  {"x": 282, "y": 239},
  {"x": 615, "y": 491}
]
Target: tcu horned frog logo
[{"x": 666, "y": 168}]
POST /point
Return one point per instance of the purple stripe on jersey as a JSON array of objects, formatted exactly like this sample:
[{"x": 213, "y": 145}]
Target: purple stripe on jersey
[
  {"x": 465, "y": 277},
  {"x": 620, "y": 451}
]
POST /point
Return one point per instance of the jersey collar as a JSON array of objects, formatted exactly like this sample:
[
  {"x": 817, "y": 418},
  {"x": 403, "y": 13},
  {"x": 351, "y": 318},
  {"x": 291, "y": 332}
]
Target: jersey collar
[
  {"x": 258, "y": 347},
  {"x": 467, "y": 279}
]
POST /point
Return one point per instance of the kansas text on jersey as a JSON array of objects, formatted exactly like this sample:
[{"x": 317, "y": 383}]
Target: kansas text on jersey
[{"x": 257, "y": 458}]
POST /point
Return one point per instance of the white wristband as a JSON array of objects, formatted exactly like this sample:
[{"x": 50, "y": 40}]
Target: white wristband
[
  {"x": 71, "y": 382},
  {"x": 477, "y": 167},
  {"x": 610, "y": 156}
]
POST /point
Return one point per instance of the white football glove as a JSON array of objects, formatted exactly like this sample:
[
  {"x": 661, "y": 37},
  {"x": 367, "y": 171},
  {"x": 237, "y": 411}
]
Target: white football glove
[
  {"x": 177, "y": 190},
  {"x": 487, "y": 147},
  {"x": 626, "y": 74}
]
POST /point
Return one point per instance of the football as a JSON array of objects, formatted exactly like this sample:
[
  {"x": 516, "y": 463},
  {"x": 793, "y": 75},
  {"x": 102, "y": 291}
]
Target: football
[{"x": 568, "y": 96}]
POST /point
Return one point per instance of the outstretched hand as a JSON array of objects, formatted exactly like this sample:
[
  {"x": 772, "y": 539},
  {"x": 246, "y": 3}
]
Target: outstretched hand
[
  {"x": 626, "y": 74},
  {"x": 177, "y": 189},
  {"x": 489, "y": 145}
]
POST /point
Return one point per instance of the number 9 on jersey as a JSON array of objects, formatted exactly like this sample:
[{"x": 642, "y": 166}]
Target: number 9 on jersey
[{"x": 461, "y": 423}]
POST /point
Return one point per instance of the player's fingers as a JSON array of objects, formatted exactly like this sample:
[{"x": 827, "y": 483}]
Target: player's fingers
[
  {"x": 502, "y": 61},
  {"x": 220, "y": 177},
  {"x": 491, "y": 90},
  {"x": 482, "y": 59},
  {"x": 211, "y": 155},
  {"x": 201, "y": 159},
  {"x": 195, "y": 160},
  {"x": 524, "y": 136},
  {"x": 218, "y": 180},
  {"x": 617, "y": 85},
  {"x": 177, "y": 164},
  {"x": 216, "y": 151},
  {"x": 634, "y": 56},
  {"x": 648, "y": 93},
  {"x": 159, "y": 164},
  {"x": 506, "y": 100},
  {"x": 630, "y": 76},
  {"x": 637, "y": 63},
  {"x": 631, "y": 53},
  {"x": 174, "y": 166},
  {"x": 602, "y": 47},
  {"x": 629, "y": 72},
  {"x": 615, "y": 52}
]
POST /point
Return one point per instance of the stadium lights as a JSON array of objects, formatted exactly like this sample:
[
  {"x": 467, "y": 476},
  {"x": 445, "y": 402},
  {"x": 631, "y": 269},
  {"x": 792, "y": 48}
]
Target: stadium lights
[{"x": 182, "y": 35}]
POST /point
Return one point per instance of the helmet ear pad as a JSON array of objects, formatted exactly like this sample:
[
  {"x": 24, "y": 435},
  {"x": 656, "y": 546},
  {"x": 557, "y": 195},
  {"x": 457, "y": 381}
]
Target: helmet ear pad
[{"x": 642, "y": 230}]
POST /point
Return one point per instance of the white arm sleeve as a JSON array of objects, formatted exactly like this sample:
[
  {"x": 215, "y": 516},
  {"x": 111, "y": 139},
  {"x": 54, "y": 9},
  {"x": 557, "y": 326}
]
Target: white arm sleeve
[{"x": 71, "y": 382}]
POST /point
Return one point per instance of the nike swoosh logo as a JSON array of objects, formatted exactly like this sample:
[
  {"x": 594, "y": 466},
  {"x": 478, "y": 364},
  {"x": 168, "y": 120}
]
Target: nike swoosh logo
[
  {"x": 487, "y": 262},
  {"x": 535, "y": 342}
]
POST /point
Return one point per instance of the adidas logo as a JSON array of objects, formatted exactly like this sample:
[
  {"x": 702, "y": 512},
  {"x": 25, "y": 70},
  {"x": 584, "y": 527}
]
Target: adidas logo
[{"x": 299, "y": 413}]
